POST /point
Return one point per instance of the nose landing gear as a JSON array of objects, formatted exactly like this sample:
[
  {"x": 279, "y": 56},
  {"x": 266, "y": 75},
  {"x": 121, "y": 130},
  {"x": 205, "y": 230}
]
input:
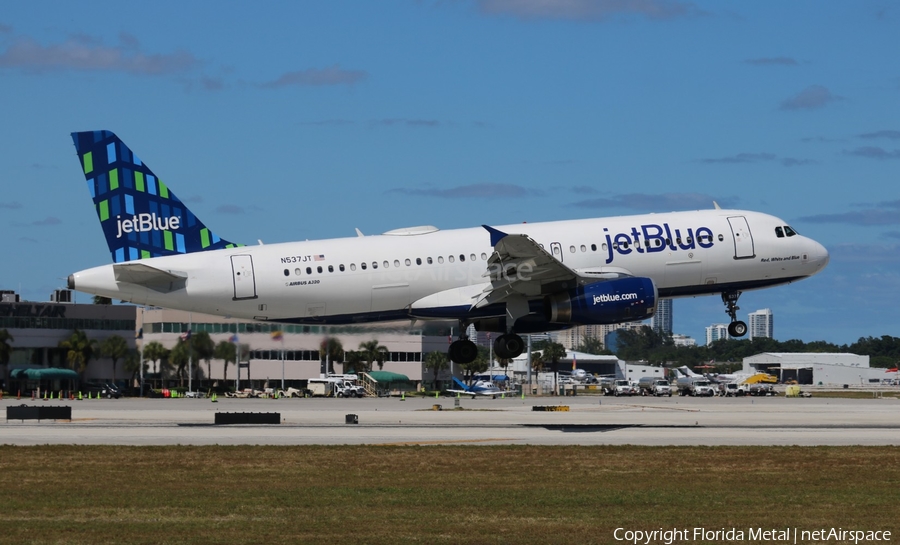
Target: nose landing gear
[{"x": 736, "y": 328}]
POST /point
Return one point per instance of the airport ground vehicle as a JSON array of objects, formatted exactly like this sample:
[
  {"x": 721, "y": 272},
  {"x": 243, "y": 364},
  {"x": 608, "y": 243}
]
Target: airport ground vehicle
[
  {"x": 733, "y": 389},
  {"x": 109, "y": 391},
  {"x": 695, "y": 386},
  {"x": 335, "y": 386},
  {"x": 655, "y": 386},
  {"x": 619, "y": 387}
]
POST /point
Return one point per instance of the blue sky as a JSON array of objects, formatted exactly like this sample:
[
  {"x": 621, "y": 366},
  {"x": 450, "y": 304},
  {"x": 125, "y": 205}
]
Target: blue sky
[{"x": 292, "y": 120}]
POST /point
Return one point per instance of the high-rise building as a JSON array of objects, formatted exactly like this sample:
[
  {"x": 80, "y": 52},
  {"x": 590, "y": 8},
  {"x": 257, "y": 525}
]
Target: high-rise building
[
  {"x": 716, "y": 332},
  {"x": 683, "y": 340},
  {"x": 761, "y": 324},
  {"x": 661, "y": 322}
]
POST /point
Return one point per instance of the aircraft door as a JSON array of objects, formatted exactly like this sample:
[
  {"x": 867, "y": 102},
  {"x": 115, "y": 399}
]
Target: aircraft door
[
  {"x": 556, "y": 250},
  {"x": 244, "y": 279},
  {"x": 743, "y": 240}
]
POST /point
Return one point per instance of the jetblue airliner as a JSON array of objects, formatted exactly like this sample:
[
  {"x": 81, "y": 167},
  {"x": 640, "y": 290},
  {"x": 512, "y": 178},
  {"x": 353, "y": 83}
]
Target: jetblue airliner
[{"x": 510, "y": 279}]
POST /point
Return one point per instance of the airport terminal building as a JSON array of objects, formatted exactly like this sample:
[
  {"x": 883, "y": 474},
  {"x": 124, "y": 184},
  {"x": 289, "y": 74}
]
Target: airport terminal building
[
  {"x": 37, "y": 328},
  {"x": 293, "y": 355}
]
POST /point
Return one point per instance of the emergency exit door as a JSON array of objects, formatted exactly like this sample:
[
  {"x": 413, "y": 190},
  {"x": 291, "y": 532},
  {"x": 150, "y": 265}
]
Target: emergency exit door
[{"x": 244, "y": 280}]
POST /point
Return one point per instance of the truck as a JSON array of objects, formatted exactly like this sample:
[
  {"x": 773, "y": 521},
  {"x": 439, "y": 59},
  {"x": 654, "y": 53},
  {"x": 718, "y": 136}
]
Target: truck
[
  {"x": 618, "y": 387},
  {"x": 734, "y": 389},
  {"x": 694, "y": 386},
  {"x": 655, "y": 386},
  {"x": 335, "y": 386}
]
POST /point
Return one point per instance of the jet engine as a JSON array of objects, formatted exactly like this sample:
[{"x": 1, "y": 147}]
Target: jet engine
[{"x": 604, "y": 302}]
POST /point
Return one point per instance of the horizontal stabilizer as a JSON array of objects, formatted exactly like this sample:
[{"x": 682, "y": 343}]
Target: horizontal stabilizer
[{"x": 150, "y": 277}]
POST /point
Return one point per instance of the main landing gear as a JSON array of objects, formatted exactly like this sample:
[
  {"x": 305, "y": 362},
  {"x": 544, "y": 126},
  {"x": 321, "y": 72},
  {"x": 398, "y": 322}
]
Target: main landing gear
[
  {"x": 506, "y": 346},
  {"x": 509, "y": 346},
  {"x": 462, "y": 350},
  {"x": 736, "y": 328}
]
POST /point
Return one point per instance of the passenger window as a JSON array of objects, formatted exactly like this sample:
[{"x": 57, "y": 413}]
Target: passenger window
[
  {"x": 605, "y": 247},
  {"x": 441, "y": 259},
  {"x": 593, "y": 247},
  {"x": 353, "y": 266},
  {"x": 483, "y": 256},
  {"x": 721, "y": 238},
  {"x": 331, "y": 268},
  {"x": 408, "y": 262},
  {"x": 473, "y": 257},
  {"x": 418, "y": 261},
  {"x": 287, "y": 272},
  {"x": 387, "y": 264},
  {"x": 297, "y": 271},
  {"x": 462, "y": 257},
  {"x": 431, "y": 262},
  {"x": 571, "y": 249},
  {"x": 789, "y": 232},
  {"x": 374, "y": 264},
  {"x": 319, "y": 268},
  {"x": 363, "y": 265},
  {"x": 583, "y": 248},
  {"x": 658, "y": 243},
  {"x": 451, "y": 259},
  {"x": 779, "y": 232},
  {"x": 342, "y": 267},
  {"x": 309, "y": 270}
]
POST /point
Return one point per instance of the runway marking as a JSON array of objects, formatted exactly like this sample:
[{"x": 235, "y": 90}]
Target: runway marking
[{"x": 412, "y": 443}]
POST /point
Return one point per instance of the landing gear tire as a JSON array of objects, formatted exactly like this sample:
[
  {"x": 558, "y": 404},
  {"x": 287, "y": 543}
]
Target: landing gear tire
[
  {"x": 462, "y": 351},
  {"x": 509, "y": 346},
  {"x": 737, "y": 329}
]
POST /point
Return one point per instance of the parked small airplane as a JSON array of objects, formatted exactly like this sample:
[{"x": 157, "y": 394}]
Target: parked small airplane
[
  {"x": 512, "y": 279},
  {"x": 479, "y": 388}
]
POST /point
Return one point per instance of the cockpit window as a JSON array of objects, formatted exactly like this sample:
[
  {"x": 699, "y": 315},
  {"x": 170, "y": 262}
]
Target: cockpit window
[
  {"x": 789, "y": 232},
  {"x": 779, "y": 232}
]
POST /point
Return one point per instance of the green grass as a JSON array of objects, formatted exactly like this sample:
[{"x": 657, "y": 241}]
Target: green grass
[{"x": 460, "y": 494}]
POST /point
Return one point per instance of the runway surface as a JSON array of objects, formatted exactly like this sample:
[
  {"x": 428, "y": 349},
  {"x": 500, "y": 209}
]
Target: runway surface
[{"x": 591, "y": 420}]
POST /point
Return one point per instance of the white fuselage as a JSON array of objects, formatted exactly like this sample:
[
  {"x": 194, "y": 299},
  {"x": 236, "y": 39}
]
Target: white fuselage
[{"x": 376, "y": 278}]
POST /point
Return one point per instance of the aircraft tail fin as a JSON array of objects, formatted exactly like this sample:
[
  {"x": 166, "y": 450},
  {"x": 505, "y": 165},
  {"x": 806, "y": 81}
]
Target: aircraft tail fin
[
  {"x": 139, "y": 214},
  {"x": 461, "y": 384}
]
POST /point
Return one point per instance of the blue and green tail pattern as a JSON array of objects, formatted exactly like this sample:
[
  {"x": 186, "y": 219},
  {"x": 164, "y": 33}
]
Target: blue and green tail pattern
[{"x": 140, "y": 215}]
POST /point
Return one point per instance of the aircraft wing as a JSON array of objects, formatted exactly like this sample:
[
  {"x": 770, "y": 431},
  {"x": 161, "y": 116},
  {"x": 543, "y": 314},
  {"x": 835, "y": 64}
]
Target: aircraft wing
[{"x": 519, "y": 266}]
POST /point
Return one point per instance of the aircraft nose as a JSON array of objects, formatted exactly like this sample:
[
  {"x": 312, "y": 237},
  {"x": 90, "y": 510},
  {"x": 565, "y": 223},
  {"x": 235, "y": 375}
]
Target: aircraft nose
[{"x": 818, "y": 255}]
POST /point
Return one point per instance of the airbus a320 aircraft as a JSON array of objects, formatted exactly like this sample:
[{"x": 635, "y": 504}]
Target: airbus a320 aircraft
[{"x": 510, "y": 279}]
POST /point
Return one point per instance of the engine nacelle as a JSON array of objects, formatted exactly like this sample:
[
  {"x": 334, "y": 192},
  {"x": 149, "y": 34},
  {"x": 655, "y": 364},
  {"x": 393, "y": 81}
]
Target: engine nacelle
[{"x": 605, "y": 302}]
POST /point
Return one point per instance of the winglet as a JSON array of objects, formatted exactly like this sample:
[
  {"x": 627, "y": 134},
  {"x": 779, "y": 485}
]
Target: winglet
[{"x": 496, "y": 235}]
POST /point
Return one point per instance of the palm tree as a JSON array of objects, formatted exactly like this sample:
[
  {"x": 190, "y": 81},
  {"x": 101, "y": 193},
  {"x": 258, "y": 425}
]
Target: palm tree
[
  {"x": 354, "y": 360},
  {"x": 437, "y": 362},
  {"x": 114, "y": 348},
  {"x": 179, "y": 358},
  {"x": 79, "y": 350},
  {"x": 554, "y": 352},
  {"x": 101, "y": 300},
  {"x": 5, "y": 347},
  {"x": 132, "y": 364},
  {"x": 156, "y": 352},
  {"x": 332, "y": 350},
  {"x": 374, "y": 352},
  {"x": 204, "y": 349},
  {"x": 225, "y": 351}
]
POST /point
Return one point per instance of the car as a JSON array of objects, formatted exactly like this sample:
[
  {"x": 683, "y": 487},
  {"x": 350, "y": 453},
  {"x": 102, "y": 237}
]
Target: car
[{"x": 95, "y": 389}]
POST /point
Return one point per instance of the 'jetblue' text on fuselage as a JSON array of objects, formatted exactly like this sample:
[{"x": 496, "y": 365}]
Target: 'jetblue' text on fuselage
[{"x": 650, "y": 238}]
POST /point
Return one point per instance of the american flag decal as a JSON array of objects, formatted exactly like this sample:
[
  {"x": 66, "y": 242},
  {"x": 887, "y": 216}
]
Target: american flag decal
[{"x": 320, "y": 257}]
